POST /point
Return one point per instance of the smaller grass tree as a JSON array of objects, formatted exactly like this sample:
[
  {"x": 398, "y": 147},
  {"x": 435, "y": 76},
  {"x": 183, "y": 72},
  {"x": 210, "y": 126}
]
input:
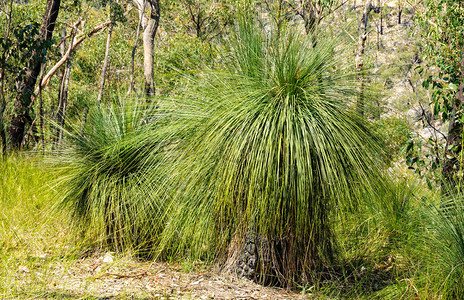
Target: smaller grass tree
[
  {"x": 106, "y": 177},
  {"x": 445, "y": 258},
  {"x": 272, "y": 150}
]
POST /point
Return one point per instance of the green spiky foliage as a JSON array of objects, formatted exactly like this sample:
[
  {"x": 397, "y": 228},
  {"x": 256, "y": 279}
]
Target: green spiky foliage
[
  {"x": 106, "y": 177},
  {"x": 271, "y": 151},
  {"x": 446, "y": 244}
]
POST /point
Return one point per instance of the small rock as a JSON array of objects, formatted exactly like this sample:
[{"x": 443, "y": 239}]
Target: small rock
[
  {"x": 23, "y": 269},
  {"x": 197, "y": 282},
  {"x": 108, "y": 258}
]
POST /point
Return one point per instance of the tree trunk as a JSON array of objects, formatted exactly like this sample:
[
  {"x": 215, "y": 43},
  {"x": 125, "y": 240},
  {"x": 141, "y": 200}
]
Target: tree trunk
[
  {"x": 41, "y": 120},
  {"x": 2, "y": 123},
  {"x": 131, "y": 85},
  {"x": 64, "y": 59},
  {"x": 105, "y": 63},
  {"x": 453, "y": 163},
  {"x": 2, "y": 84},
  {"x": 61, "y": 76},
  {"x": 381, "y": 23},
  {"x": 359, "y": 60},
  {"x": 62, "y": 101},
  {"x": 400, "y": 12},
  {"x": 27, "y": 82},
  {"x": 148, "y": 47}
]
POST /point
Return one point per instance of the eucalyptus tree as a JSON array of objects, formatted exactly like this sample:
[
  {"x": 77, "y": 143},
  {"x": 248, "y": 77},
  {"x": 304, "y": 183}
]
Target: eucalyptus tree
[
  {"x": 443, "y": 25},
  {"x": 26, "y": 83},
  {"x": 206, "y": 19},
  {"x": 314, "y": 11},
  {"x": 150, "y": 23}
]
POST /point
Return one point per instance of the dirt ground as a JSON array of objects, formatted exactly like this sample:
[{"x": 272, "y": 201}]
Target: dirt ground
[{"x": 109, "y": 277}]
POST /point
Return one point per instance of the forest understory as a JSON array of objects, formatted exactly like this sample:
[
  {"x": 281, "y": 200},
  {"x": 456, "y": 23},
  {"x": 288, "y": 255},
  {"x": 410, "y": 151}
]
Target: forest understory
[{"x": 231, "y": 149}]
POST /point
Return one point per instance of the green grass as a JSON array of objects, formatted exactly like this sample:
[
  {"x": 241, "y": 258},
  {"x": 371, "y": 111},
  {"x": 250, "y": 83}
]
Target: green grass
[
  {"x": 445, "y": 239},
  {"x": 33, "y": 234}
]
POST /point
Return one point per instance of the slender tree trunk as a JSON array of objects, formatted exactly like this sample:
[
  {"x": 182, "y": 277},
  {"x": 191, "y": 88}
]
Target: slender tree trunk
[
  {"x": 61, "y": 76},
  {"x": 381, "y": 22},
  {"x": 2, "y": 110},
  {"x": 61, "y": 113},
  {"x": 453, "y": 163},
  {"x": 400, "y": 12},
  {"x": 41, "y": 120},
  {"x": 105, "y": 63},
  {"x": 2, "y": 123},
  {"x": 27, "y": 82},
  {"x": 359, "y": 60},
  {"x": 62, "y": 101},
  {"x": 4, "y": 60},
  {"x": 148, "y": 47},
  {"x": 137, "y": 36}
]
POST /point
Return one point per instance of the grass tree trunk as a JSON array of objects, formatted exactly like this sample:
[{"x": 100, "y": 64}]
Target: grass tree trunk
[
  {"x": 359, "y": 60},
  {"x": 27, "y": 82},
  {"x": 148, "y": 47},
  {"x": 105, "y": 63}
]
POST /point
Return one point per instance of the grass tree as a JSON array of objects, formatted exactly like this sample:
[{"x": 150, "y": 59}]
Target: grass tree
[
  {"x": 257, "y": 158},
  {"x": 445, "y": 241},
  {"x": 272, "y": 150},
  {"x": 107, "y": 168}
]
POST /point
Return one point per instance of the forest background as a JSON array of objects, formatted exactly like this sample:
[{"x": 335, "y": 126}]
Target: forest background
[{"x": 102, "y": 103}]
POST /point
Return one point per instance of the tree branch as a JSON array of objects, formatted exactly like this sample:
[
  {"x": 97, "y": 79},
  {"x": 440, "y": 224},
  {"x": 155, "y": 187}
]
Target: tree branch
[
  {"x": 423, "y": 111},
  {"x": 78, "y": 41}
]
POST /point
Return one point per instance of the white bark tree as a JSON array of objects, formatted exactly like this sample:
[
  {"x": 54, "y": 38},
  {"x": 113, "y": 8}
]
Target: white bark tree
[{"x": 150, "y": 23}]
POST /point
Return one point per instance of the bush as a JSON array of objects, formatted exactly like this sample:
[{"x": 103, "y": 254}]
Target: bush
[
  {"x": 271, "y": 150},
  {"x": 105, "y": 176}
]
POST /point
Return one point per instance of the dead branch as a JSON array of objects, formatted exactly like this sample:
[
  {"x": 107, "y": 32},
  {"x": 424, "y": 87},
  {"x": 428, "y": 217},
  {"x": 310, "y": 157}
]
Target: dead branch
[{"x": 78, "y": 41}]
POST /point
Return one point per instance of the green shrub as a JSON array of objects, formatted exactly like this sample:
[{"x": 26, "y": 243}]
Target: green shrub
[
  {"x": 105, "y": 179},
  {"x": 445, "y": 225},
  {"x": 395, "y": 131},
  {"x": 271, "y": 150}
]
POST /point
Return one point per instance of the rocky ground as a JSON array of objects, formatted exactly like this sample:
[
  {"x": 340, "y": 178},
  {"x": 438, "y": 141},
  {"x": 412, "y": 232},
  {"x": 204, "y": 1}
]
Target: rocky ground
[{"x": 111, "y": 277}]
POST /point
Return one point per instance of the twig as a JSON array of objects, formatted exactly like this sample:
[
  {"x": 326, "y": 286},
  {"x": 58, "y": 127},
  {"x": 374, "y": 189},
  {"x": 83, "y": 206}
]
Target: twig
[
  {"x": 423, "y": 111},
  {"x": 139, "y": 275}
]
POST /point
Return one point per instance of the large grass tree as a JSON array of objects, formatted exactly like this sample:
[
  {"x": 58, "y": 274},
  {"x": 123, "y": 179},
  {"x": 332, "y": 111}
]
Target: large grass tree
[
  {"x": 249, "y": 167},
  {"x": 271, "y": 149}
]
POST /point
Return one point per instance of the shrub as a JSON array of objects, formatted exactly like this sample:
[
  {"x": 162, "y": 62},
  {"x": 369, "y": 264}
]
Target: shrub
[{"x": 271, "y": 150}]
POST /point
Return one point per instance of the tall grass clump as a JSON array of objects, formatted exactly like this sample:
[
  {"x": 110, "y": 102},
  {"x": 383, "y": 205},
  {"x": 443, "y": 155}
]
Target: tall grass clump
[
  {"x": 106, "y": 177},
  {"x": 445, "y": 224},
  {"x": 383, "y": 241},
  {"x": 272, "y": 152}
]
